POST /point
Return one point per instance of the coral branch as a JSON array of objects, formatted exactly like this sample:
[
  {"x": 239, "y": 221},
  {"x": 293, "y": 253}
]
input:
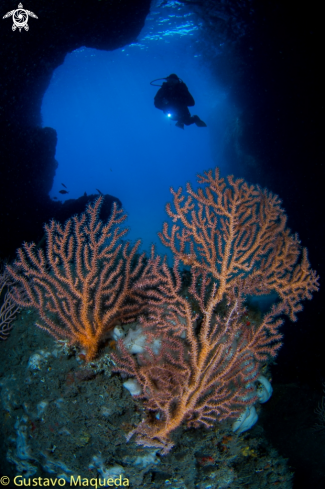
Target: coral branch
[
  {"x": 85, "y": 284},
  {"x": 239, "y": 232},
  {"x": 235, "y": 241}
]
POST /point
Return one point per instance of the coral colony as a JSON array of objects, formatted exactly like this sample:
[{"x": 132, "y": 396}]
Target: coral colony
[
  {"x": 85, "y": 285},
  {"x": 194, "y": 358},
  {"x": 8, "y": 307}
]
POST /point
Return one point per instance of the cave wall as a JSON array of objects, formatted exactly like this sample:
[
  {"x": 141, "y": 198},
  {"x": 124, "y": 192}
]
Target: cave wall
[{"x": 27, "y": 62}]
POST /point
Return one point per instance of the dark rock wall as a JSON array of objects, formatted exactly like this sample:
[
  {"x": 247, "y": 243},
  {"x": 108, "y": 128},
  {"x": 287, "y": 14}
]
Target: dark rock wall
[{"x": 27, "y": 62}]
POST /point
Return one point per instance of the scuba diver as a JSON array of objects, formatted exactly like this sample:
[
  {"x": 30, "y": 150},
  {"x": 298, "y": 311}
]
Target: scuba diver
[{"x": 173, "y": 98}]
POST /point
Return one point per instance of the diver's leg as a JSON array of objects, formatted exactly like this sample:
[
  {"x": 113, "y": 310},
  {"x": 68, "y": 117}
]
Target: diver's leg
[
  {"x": 198, "y": 121},
  {"x": 187, "y": 119},
  {"x": 180, "y": 125}
]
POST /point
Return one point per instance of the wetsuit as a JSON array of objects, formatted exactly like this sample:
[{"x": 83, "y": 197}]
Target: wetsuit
[{"x": 174, "y": 99}]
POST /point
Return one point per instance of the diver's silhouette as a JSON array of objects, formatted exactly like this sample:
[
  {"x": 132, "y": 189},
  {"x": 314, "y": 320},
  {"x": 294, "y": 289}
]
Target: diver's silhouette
[{"x": 173, "y": 98}]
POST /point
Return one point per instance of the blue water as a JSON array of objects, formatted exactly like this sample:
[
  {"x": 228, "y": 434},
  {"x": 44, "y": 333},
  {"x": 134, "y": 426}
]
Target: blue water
[{"x": 110, "y": 135}]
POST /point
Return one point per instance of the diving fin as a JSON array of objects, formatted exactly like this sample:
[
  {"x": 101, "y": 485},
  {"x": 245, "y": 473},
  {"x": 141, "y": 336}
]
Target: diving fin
[{"x": 180, "y": 125}]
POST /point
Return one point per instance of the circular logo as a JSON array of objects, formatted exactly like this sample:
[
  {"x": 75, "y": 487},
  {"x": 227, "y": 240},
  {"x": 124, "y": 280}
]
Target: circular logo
[{"x": 20, "y": 18}]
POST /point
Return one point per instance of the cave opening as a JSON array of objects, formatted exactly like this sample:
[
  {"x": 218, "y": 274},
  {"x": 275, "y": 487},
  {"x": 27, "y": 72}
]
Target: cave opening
[{"x": 112, "y": 138}]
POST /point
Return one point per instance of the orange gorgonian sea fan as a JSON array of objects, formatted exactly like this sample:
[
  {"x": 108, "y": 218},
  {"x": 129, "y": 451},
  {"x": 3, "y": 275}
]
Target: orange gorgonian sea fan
[
  {"x": 234, "y": 239},
  {"x": 85, "y": 283}
]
